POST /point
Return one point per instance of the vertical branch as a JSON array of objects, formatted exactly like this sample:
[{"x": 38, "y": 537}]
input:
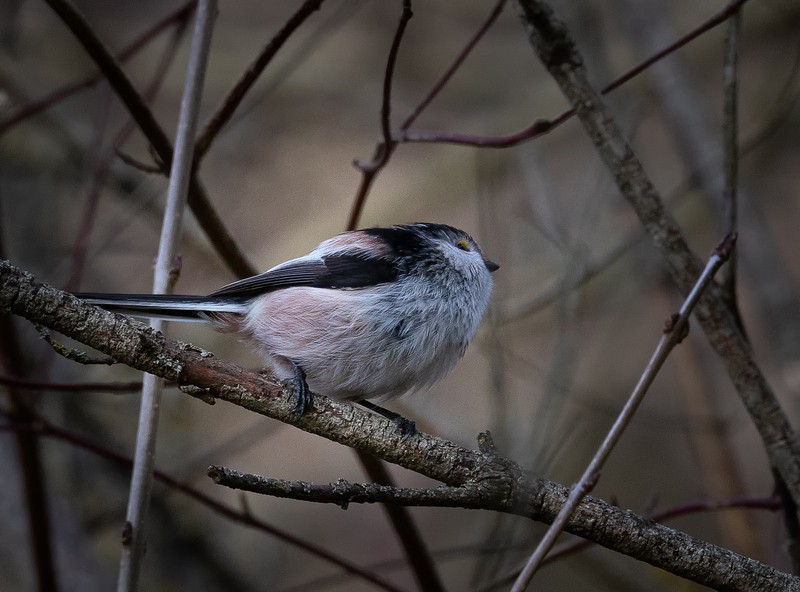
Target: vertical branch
[
  {"x": 731, "y": 146},
  {"x": 30, "y": 454},
  {"x": 103, "y": 167},
  {"x": 180, "y": 175},
  {"x": 384, "y": 150}
]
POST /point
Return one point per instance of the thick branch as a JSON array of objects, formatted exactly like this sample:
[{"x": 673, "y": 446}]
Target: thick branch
[{"x": 496, "y": 483}]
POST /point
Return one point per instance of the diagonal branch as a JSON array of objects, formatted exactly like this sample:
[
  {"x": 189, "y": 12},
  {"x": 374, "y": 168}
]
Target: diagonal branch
[
  {"x": 498, "y": 483},
  {"x": 675, "y": 330},
  {"x": 556, "y": 49},
  {"x": 198, "y": 199},
  {"x": 234, "y": 98}
]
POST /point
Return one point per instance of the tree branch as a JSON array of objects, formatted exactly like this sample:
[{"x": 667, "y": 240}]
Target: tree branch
[
  {"x": 556, "y": 49},
  {"x": 198, "y": 199},
  {"x": 234, "y": 98},
  {"x": 544, "y": 126},
  {"x": 496, "y": 483}
]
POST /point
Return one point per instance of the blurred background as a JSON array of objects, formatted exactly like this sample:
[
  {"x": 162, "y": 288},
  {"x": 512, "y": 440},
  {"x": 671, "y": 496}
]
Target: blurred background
[{"x": 578, "y": 308}]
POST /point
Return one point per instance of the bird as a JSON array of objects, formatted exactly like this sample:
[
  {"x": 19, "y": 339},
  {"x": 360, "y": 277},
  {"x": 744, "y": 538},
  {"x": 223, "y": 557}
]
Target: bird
[{"x": 368, "y": 314}]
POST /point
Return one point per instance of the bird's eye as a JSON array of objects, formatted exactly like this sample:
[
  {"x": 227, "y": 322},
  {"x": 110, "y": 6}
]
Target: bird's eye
[{"x": 463, "y": 245}]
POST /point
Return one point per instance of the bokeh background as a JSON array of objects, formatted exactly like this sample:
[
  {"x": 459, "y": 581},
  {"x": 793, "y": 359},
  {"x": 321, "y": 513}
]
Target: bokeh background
[{"x": 550, "y": 366}]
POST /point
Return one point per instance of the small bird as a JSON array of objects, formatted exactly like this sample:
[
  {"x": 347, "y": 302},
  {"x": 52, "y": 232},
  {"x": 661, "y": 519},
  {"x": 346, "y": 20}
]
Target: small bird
[{"x": 368, "y": 314}]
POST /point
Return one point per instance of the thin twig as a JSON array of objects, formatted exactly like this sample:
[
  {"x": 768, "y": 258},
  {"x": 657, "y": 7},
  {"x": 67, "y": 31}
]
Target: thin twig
[
  {"x": 32, "y": 108},
  {"x": 451, "y": 70},
  {"x": 234, "y": 98},
  {"x": 72, "y": 354},
  {"x": 543, "y": 126},
  {"x": 180, "y": 174},
  {"x": 674, "y": 333},
  {"x": 386, "y": 148},
  {"x": 369, "y": 169},
  {"x": 731, "y": 147},
  {"x": 211, "y": 223}
]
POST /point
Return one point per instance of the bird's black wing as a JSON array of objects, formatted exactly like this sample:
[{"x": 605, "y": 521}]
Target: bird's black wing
[{"x": 331, "y": 271}]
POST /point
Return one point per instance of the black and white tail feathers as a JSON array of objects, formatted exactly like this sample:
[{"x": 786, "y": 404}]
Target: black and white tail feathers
[{"x": 172, "y": 307}]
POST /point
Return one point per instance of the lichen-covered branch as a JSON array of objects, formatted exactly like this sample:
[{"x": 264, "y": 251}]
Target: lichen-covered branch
[{"x": 493, "y": 482}]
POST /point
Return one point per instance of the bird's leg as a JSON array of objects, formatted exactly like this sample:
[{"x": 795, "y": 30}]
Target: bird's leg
[
  {"x": 407, "y": 427},
  {"x": 304, "y": 400}
]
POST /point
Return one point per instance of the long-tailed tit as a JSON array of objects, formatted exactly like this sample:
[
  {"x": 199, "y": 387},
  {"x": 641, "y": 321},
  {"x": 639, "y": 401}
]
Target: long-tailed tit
[{"x": 371, "y": 313}]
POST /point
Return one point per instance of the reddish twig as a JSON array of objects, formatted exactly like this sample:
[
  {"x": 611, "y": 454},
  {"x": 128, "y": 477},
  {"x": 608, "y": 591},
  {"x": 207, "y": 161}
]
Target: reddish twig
[
  {"x": 369, "y": 169},
  {"x": 45, "y": 428},
  {"x": 543, "y": 126},
  {"x": 384, "y": 150},
  {"x": 198, "y": 200},
  {"x": 32, "y": 108},
  {"x": 234, "y": 98}
]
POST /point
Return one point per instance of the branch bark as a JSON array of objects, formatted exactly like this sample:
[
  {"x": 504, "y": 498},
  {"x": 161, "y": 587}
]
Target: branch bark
[{"x": 492, "y": 481}]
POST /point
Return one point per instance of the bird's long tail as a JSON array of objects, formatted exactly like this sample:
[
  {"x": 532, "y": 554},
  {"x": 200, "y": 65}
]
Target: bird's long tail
[{"x": 172, "y": 307}]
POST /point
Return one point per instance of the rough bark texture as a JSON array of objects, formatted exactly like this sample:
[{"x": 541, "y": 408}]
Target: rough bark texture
[{"x": 485, "y": 481}]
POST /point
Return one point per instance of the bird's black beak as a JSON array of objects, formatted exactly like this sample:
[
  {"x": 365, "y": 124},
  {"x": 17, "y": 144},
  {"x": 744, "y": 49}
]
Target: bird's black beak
[{"x": 491, "y": 265}]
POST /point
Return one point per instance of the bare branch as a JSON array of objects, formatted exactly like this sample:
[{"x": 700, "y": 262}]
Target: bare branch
[
  {"x": 234, "y": 98},
  {"x": 163, "y": 279},
  {"x": 198, "y": 200},
  {"x": 555, "y": 48},
  {"x": 342, "y": 492},
  {"x": 541, "y": 127},
  {"x": 383, "y": 151},
  {"x": 500, "y": 483},
  {"x": 731, "y": 147},
  {"x": 674, "y": 332}
]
